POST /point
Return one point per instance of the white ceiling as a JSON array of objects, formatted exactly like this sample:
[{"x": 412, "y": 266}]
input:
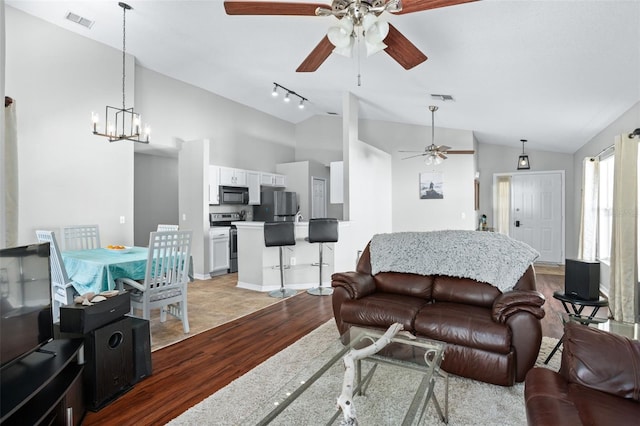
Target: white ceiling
[{"x": 552, "y": 72}]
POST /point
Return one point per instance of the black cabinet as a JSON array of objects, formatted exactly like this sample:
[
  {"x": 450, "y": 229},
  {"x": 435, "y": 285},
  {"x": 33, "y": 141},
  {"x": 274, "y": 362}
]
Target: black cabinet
[{"x": 45, "y": 387}]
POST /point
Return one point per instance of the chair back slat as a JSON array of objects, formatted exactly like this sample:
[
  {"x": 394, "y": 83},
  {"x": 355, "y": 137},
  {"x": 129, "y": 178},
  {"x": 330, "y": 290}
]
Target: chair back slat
[
  {"x": 81, "y": 237},
  {"x": 165, "y": 227}
]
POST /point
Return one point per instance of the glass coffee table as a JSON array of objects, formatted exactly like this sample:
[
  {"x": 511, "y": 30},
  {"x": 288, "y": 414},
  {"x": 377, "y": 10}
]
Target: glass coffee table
[{"x": 392, "y": 387}]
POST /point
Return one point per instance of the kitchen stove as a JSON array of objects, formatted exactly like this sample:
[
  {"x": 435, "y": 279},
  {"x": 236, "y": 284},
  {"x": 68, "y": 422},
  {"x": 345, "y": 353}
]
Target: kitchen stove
[{"x": 224, "y": 220}]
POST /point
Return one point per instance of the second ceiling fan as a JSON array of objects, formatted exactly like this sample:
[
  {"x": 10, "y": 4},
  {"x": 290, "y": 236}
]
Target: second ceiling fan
[{"x": 355, "y": 18}]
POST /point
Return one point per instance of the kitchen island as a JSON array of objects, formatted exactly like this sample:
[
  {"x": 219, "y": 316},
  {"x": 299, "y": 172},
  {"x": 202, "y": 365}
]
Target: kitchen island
[{"x": 258, "y": 266}]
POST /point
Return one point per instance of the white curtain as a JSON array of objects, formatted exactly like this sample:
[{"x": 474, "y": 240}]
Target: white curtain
[
  {"x": 589, "y": 214},
  {"x": 11, "y": 175},
  {"x": 623, "y": 297},
  {"x": 504, "y": 204}
]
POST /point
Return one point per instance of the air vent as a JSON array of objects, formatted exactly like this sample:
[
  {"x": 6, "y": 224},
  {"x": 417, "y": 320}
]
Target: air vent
[
  {"x": 79, "y": 20},
  {"x": 442, "y": 97}
]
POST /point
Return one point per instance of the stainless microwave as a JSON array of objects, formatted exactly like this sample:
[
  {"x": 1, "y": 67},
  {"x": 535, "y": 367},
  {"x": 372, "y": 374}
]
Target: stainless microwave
[{"x": 234, "y": 195}]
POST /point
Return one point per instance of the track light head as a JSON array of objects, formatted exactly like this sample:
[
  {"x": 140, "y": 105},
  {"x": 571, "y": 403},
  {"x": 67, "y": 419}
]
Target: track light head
[
  {"x": 301, "y": 104},
  {"x": 286, "y": 97},
  {"x": 274, "y": 93}
]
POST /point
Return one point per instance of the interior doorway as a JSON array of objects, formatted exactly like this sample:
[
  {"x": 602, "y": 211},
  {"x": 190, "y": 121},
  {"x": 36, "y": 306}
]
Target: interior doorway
[
  {"x": 318, "y": 197},
  {"x": 535, "y": 208}
]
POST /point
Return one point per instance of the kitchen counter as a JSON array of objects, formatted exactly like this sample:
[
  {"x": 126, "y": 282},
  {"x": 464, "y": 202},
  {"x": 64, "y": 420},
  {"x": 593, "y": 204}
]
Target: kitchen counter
[{"x": 258, "y": 266}]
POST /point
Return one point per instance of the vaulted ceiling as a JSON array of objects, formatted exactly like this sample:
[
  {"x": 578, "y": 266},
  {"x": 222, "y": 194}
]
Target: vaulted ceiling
[{"x": 552, "y": 72}]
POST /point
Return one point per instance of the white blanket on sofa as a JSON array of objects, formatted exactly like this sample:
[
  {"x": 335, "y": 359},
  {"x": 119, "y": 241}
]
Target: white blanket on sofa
[{"x": 488, "y": 257}]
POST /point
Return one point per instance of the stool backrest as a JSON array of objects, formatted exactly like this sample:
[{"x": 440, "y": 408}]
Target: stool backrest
[
  {"x": 323, "y": 230},
  {"x": 279, "y": 234}
]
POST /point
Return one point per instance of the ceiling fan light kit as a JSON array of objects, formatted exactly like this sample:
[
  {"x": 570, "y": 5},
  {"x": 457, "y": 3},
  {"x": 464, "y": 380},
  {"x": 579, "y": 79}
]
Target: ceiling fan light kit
[
  {"x": 355, "y": 18},
  {"x": 523, "y": 160},
  {"x": 121, "y": 123}
]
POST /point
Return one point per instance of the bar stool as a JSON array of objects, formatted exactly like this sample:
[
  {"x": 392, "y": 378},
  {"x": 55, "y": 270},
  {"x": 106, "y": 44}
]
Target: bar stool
[
  {"x": 322, "y": 231},
  {"x": 280, "y": 234}
]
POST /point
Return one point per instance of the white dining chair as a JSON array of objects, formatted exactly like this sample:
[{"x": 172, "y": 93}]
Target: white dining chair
[
  {"x": 62, "y": 290},
  {"x": 81, "y": 237},
  {"x": 166, "y": 276},
  {"x": 164, "y": 227}
]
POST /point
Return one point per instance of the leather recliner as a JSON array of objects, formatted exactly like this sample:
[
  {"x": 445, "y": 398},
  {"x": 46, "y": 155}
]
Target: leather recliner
[
  {"x": 490, "y": 335},
  {"x": 598, "y": 382}
]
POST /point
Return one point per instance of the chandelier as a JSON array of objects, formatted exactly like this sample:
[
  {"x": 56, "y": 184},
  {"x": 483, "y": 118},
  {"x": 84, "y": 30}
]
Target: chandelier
[
  {"x": 122, "y": 123},
  {"x": 365, "y": 15}
]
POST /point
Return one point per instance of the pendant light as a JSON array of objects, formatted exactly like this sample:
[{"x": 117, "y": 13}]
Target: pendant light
[
  {"x": 523, "y": 160},
  {"x": 122, "y": 123}
]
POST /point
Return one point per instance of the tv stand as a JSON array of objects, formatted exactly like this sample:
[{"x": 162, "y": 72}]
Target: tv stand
[{"x": 44, "y": 389}]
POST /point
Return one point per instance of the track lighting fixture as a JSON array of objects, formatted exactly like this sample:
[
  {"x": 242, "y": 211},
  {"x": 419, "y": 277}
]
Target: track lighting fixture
[{"x": 287, "y": 95}]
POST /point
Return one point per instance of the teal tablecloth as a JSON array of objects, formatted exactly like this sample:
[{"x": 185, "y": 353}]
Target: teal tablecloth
[{"x": 96, "y": 270}]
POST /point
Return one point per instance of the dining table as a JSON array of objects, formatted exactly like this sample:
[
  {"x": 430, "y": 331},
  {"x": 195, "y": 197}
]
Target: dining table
[{"x": 96, "y": 270}]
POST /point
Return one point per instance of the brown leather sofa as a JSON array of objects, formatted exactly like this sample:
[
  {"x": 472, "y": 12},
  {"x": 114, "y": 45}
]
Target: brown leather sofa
[
  {"x": 598, "y": 382},
  {"x": 491, "y": 336}
]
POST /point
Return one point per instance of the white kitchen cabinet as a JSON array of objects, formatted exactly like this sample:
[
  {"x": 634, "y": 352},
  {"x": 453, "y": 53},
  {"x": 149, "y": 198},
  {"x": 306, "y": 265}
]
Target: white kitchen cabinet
[
  {"x": 214, "y": 179},
  {"x": 272, "y": 179},
  {"x": 232, "y": 177},
  {"x": 218, "y": 250},
  {"x": 253, "y": 182}
]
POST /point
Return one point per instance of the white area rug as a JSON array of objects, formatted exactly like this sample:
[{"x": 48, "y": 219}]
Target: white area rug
[{"x": 470, "y": 402}]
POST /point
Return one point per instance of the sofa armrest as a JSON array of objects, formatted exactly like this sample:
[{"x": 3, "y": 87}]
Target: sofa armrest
[
  {"x": 600, "y": 360},
  {"x": 356, "y": 284},
  {"x": 512, "y": 302}
]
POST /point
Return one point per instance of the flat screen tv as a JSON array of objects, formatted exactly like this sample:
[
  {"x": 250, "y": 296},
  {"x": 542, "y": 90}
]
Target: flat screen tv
[{"x": 26, "y": 320}]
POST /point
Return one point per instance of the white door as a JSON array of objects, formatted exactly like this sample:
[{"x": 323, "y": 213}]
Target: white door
[
  {"x": 318, "y": 197},
  {"x": 537, "y": 213}
]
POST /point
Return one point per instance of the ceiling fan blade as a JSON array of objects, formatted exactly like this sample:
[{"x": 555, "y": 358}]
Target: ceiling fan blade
[
  {"x": 441, "y": 155},
  {"x": 443, "y": 148},
  {"x": 317, "y": 56},
  {"x": 410, "y": 6},
  {"x": 402, "y": 50},
  {"x": 400, "y": 150},
  {"x": 413, "y": 156},
  {"x": 272, "y": 8},
  {"x": 470, "y": 151}
]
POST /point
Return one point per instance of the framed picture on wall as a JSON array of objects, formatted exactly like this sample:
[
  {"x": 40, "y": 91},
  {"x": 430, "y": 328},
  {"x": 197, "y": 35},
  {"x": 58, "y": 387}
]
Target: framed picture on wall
[{"x": 431, "y": 186}]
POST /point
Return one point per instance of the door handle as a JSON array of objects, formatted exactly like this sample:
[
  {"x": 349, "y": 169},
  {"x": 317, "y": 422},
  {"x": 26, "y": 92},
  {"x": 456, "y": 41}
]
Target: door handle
[{"x": 517, "y": 223}]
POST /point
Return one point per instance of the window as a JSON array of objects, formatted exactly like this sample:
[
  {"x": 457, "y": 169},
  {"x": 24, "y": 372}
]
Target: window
[{"x": 605, "y": 208}]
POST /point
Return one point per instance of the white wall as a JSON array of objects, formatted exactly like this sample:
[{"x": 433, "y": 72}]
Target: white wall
[
  {"x": 155, "y": 194},
  {"x": 2, "y": 183},
  {"x": 67, "y": 175}
]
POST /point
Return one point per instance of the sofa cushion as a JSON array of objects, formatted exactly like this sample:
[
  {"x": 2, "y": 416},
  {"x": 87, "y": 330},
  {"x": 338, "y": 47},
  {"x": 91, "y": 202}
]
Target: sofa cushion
[
  {"x": 464, "y": 290},
  {"x": 600, "y": 360},
  {"x": 463, "y": 325},
  {"x": 601, "y": 408},
  {"x": 382, "y": 310},
  {"x": 404, "y": 284}
]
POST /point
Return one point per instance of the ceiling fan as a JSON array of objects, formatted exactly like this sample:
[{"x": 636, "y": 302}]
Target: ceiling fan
[
  {"x": 434, "y": 154},
  {"x": 355, "y": 18}
]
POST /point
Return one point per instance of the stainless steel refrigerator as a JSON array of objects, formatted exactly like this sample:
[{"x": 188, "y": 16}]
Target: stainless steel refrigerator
[{"x": 276, "y": 206}]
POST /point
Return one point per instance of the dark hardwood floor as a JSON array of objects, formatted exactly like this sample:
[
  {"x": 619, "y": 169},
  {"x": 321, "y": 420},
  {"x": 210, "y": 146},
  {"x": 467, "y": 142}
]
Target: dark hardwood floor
[{"x": 191, "y": 370}]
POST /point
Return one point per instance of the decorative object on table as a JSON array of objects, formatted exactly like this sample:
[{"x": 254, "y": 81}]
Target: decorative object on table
[
  {"x": 431, "y": 186},
  {"x": 166, "y": 276},
  {"x": 345, "y": 400},
  {"x": 121, "y": 123},
  {"x": 324, "y": 230},
  {"x": 356, "y": 20},
  {"x": 433, "y": 154},
  {"x": 280, "y": 234},
  {"x": 523, "y": 160},
  {"x": 81, "y": 237}
]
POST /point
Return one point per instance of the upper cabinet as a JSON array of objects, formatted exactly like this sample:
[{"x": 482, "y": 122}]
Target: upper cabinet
[
  {"x": 271, "y": 179},
  {"x": 214, "y": 177},
  {"x": 232, "y": 177},
  {"x": 253, "y": 182}
]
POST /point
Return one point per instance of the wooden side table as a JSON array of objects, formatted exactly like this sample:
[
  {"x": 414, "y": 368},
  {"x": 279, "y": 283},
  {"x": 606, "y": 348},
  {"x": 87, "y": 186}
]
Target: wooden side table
[{"x": 574, "y": 306}]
